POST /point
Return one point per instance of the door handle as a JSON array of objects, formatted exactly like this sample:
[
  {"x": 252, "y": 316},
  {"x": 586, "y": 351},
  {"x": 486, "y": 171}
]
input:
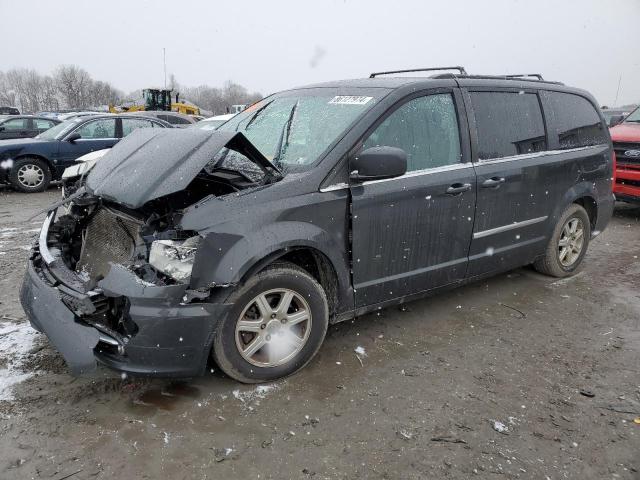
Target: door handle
[
  {"x": 458, "y": 188},
  {"x": 493, "y": 182}
]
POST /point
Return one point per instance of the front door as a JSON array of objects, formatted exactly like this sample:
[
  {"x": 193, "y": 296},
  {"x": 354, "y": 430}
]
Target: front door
[
  {"x": 15, "y": 128},
  {"x": 412, "y": 233},
  {"x": 95, "y": 135}
]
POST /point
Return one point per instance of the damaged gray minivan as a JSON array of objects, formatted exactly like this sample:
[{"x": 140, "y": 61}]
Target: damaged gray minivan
[{"x": 315, "y": 205}]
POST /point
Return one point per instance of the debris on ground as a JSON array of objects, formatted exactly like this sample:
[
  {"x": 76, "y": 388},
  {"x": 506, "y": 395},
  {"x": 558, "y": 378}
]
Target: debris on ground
[{"x": 499, "y": 427}]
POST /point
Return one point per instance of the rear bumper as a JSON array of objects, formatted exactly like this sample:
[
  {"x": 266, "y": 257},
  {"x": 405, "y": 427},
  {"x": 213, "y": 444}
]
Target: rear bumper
[
  {"x": 605, "y": 212},
  {"x": 172, "y": 338}
]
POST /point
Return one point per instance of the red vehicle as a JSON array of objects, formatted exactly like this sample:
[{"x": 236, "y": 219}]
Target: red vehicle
[{"x": 626, "y": 144}]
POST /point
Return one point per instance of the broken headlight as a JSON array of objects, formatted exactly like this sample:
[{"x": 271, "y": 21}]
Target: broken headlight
[{"x": 174, "y": 258}]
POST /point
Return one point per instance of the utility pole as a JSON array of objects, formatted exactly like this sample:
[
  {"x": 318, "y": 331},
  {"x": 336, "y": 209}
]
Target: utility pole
[
  {"x": 615, "y": 104},
  {"x": 164, "y": 63}
]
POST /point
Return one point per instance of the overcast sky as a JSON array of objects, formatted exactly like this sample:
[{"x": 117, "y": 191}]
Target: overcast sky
[{"x": 271, "y": 45}]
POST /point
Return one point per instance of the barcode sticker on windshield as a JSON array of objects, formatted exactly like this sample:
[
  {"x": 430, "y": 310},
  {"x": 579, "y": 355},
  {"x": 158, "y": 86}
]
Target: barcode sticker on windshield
[{"x": 350, "y": 100}]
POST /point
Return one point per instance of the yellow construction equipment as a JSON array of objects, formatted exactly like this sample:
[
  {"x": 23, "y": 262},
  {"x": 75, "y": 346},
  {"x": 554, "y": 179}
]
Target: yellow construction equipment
[{"x": 158, "y": 100}]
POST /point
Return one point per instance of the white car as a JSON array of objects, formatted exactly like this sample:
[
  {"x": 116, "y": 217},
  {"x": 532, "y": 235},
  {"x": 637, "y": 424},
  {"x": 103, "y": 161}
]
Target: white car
[
  {"x": 212, "y": 123},
  {"x": 72, "y": 174}
]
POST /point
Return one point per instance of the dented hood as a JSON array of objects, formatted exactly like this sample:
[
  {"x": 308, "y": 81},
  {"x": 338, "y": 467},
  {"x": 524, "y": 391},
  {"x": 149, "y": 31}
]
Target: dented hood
[{"x": 151, "y": 163}]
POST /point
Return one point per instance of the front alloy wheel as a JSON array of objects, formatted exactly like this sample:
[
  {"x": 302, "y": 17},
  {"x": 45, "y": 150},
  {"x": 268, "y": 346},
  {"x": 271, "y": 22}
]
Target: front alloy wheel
[
  {"x": 275, "y": 324},
  {"x": 273, "y": 328}
]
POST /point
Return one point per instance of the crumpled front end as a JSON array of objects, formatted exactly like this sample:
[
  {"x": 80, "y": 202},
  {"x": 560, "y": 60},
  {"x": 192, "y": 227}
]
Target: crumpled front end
[
  {"x": 90, "y": 289},
  {"x": 110, "y": 277}
]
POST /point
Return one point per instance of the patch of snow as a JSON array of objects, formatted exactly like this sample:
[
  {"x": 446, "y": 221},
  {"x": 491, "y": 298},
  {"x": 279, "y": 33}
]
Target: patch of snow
[
  {"x": 16, "y": 340},
  {"x": 257, "y": 393},
  {"x": 360, "y": 351}
]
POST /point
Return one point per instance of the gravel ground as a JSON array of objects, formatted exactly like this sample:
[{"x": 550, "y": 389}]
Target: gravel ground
[{"x": 520, "y": 376}]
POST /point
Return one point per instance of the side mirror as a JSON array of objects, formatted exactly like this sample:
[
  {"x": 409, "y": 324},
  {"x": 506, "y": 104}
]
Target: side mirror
[
  {"x": 616, "y": 120},
  {"x": 1, "y": 128},
  {"x": 73, "y": 137},
  {"x": 377, "y": 163}
]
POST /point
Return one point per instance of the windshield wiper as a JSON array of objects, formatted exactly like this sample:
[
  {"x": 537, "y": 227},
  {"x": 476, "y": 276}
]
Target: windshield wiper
[
  {"x": 255, "y": 115},
  {"x": 283, "y": 141}
]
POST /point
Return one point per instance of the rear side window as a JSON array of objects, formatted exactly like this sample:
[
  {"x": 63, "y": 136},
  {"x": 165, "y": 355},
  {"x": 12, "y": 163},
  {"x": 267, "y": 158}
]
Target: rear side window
[
  {"x": 575, "y": 121},
  {"x": 426, "y": 128},
  {"x": 42, "y": 124},
  {"x": 131, "y": 124},
  {"x": 508, "y": 124},
  {"x": 175, "y": 120}
]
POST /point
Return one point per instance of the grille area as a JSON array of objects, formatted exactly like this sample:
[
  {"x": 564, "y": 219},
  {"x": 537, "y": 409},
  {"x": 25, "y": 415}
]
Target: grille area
[
  {"x": 107, "y": 238},
  {"x": 620, "y": 149}
]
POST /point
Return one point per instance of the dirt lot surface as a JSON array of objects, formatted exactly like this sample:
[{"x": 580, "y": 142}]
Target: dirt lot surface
[{"x": 481, "y": 382}]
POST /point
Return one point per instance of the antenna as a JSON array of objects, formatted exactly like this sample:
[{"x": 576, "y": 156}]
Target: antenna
[
  {"x": 615, "y": 104},
  {"x": 164, "y": 63}
]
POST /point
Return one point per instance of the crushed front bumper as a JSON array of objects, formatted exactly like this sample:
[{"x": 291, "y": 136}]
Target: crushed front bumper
[{"x": 172, "y": 337}]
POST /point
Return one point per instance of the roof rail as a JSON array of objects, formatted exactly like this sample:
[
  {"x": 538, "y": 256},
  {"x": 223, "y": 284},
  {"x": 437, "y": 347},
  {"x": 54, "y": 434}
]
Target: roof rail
[
  {"x": 524, "y": 75},
  {"x": 460, "y": 69}
]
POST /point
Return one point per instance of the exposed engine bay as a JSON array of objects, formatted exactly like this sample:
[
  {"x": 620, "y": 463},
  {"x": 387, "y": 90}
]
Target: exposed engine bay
[{"x": 93, "y": 234}]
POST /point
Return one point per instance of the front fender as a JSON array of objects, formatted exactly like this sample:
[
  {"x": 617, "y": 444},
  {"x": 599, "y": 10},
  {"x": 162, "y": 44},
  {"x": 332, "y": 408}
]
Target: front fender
[{"x": 225, "y": 258}]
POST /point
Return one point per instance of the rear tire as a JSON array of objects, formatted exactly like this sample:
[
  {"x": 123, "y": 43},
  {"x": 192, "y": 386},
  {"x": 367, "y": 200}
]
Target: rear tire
[
  {"x": 568, "y": 244},
  {"x": 30, "y": 174},
  {"x": 282, "y": 308}
]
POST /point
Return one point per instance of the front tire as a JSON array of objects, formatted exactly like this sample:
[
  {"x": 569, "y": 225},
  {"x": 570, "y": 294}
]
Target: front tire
[
  {"x": 567, "y": 245},
  {"x": 30, "y": 175},
  {"x": 275, "y": 326}
]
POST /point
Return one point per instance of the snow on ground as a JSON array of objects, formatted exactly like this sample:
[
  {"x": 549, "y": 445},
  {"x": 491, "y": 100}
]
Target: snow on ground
[{"x": 16, "y": 340}]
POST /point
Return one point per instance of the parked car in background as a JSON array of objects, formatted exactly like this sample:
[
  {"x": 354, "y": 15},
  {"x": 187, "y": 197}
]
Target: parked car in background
[
  {"x": 70, "y": 115},
  {"x": 30, "y": 164},
  {"x": 312, "y": 206},
  {"x": 9, "y": 111},
  {"x": 626, "y": 143},
  {"x": 614, "y": 116},
  {"x": 176, "y": 119},
  {"x": 24, "y": 126},
  {"x": 212, "y": 123}
]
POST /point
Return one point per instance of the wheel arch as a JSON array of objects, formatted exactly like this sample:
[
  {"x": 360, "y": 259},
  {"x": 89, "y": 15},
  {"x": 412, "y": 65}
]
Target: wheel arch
[
  {"x": 311, "y": 260},
  {"x": 581, "y": 194}
]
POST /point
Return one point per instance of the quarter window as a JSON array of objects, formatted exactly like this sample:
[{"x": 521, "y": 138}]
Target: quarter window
[
  {"x": 426, "y": 128},
  {"x": 105, "y": 128},
  {"x": 43, "y": 124},
  {"x": 131, "y": 124},
  {"x": 576, "y": 122},
  {"x": 508, "y": 124}
]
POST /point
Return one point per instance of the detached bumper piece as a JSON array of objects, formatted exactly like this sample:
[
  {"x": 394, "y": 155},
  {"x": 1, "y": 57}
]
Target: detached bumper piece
[{"x": 123, "y": 322}]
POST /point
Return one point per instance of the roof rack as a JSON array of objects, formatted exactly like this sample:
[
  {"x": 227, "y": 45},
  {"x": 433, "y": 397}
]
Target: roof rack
[
  {"x": 525, "y": 78},
  {"x": 460, "y": 69},
  {"x": 524, "y": 75}
]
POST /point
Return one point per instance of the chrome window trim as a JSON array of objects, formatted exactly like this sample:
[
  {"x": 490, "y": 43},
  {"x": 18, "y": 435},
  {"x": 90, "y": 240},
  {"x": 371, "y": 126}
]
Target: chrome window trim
[
  {"x": 335, "y": 187},
  {"x": 524, "y": 156},
  {"x": 424, "y": 171},
  {"x": 511, "y": 226}
]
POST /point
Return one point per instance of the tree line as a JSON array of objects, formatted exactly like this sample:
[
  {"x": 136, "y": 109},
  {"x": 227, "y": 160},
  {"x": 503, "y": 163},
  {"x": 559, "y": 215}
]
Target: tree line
[{"x": 72, "y": 88}]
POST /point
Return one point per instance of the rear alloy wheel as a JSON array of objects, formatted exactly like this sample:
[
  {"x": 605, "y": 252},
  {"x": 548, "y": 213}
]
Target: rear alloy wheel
[
  {"x": 30, "y": 175},
  {"x": 275, "y": 325},
  {"x": 571, "y": 242},
  {"x": 568, "y": 243}
]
